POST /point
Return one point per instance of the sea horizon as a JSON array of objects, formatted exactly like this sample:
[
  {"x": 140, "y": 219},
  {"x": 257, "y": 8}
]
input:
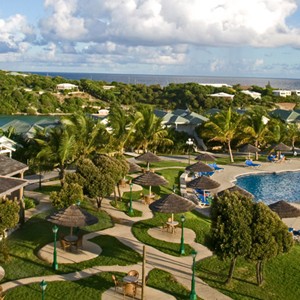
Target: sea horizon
[{"x": 164, "y": 80}]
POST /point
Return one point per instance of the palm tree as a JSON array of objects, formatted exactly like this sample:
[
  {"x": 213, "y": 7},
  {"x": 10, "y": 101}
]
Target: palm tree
[
  {"x": 123, "y": 124},
  {"x": 223, "y": 127},
  {"x": 277, "y": 131},
  {"x": 91, "y": 136},
  {"x": 255, "y": 127},
  {"x": 150, "y": 132},
  {"x": 57, "y": 150},
  {"x": 293, "y": 134}
]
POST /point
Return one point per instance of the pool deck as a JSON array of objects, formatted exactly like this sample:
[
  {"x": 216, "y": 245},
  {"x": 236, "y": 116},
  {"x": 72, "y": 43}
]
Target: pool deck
[{"x": 227, "y": 177}]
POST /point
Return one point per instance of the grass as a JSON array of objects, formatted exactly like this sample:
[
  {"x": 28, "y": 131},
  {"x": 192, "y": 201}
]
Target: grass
[
  {"x": 35, "y": 233},
  {"x": 47, "y": 189},
  {"x": 124, "y": 206},
  {"x": 167, "y": 283},
  {"x": 84, "y": 289},
  {"x": 193, "y": 220},
  {"x": 282, "y": 276},
  {"x": 94, "y": 286}
]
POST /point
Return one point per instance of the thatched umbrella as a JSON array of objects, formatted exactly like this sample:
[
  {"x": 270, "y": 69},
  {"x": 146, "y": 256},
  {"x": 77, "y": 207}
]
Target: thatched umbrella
[
  {"x": 199, "y": 167},
  {"x": 282, "y": 147},
  {"x": 284, "y": 209},
  {"x": 150, "y": 179},
  {"x": 205, "y": 157},
  {"x": 148, "y": 157},
  {"x": 203, "y": 183},
  {"x": 249, "y": 149},
  {"x": 172, "y": 203},
  {"x": 73, "y": 216},
  {"x": 238, "y": 189},
  {"x": 133, "y": 167}
]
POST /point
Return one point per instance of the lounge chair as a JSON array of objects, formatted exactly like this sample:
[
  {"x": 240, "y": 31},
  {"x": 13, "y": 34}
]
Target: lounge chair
[
  {"x": 250, "y": 163},
  {"x": 215, "y": 167},
  {"x": 272, "y": 158},
  {"x": 206, "y": 173}
]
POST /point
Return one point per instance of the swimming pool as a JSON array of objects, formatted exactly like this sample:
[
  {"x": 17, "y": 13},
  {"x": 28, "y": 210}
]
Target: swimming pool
[{"x": 272, "y": 187}]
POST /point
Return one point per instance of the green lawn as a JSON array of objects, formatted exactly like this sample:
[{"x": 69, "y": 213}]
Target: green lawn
[
  {"x": 282, "y": 276},
  {"x": 92, "y": 287},
  {"x": 35, "y": 233}
]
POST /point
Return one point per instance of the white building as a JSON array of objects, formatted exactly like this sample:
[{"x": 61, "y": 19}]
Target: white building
[
  {"x": 254, "y": 95},
  {"x": 217, "y": 85},
  {"x": 282, "y": 93},
  {"x": 222, "y": 95},
  {"x": 7, "y": 145},
  {"x": 66, "y": 86}
]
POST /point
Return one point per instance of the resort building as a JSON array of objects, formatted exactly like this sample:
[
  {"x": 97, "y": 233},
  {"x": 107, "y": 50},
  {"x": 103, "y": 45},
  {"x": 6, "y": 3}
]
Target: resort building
[
  {"x": 7, "y": 146},
  {"x": 66, "y": 86},
  {"x": 11, "y": 178},
  {"x": 254, "y": 95},
  {"x": 184, "y": 121},
  {"x": 222, "y": 95},
  {"x": 287, "y": 116},
  {"x": 216, "y": 85},
  {"x": 282, "y": 93}
]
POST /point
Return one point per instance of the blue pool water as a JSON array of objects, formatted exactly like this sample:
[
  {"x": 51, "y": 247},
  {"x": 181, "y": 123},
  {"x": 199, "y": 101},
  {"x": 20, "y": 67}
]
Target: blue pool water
[{"x": 272, "y": 187}]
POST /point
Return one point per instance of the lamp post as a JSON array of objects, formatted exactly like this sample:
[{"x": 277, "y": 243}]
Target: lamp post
[
  {"x": 189, "y": 142},
  {"x": 193, "y": 295},
  {"x": 130, "y": 211},
  {"x": 54, "y": 264},
  {"x": 43, "y": 286},
  {"x": 182, "y": 236}
]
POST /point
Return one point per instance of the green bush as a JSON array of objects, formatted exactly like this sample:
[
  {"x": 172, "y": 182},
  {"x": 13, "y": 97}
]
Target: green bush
[{"x": 29, "y": 203}]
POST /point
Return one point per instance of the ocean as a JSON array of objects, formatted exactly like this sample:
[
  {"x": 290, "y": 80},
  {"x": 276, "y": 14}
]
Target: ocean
[{"x": 164, "y": 80}]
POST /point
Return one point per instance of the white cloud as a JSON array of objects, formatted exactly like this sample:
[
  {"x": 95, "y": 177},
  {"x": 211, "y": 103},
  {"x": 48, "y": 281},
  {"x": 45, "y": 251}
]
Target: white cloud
[
  {"x": 63, "y": 23},
  {"x": 164, "y": 22},
  {"x": 154, "y": 32},
  {"x": 14, "y": 34}
]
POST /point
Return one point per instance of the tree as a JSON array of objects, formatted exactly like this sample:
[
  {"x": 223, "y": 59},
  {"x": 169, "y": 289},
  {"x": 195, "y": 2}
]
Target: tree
[
  {"x": 69, "y": 194},
  {"x": 116, "y": 168},
  {"x": 255, "y": 127},
  {"x": 9, "y": 218},
  {"x": 150, "y": 132},
  {"x": 96, "y": 184},
  {"x": 90, "y": 135},
  {"x": 293, "y": 134},
  {"x": 277, "y": 131},
  {"x": 123, "y": 125},
  {"x": 270, "y": 237},
  {"x": 223, "y": 127},
  {"x": 57, "y": 150},
  {"x": 230, "y": 228}
]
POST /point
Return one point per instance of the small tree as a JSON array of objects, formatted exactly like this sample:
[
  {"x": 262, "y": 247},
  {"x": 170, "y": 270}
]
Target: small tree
[
  {"x": 69, "y": 194},
  {"x": 270, "y": 237},
  {"x": 96, "y": 184},
  {"x": 9, "y": 218},
  {"x": 230, "y": 229}
]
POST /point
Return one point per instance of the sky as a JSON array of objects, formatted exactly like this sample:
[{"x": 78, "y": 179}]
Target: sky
[{"x": 241, "y": 38}]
